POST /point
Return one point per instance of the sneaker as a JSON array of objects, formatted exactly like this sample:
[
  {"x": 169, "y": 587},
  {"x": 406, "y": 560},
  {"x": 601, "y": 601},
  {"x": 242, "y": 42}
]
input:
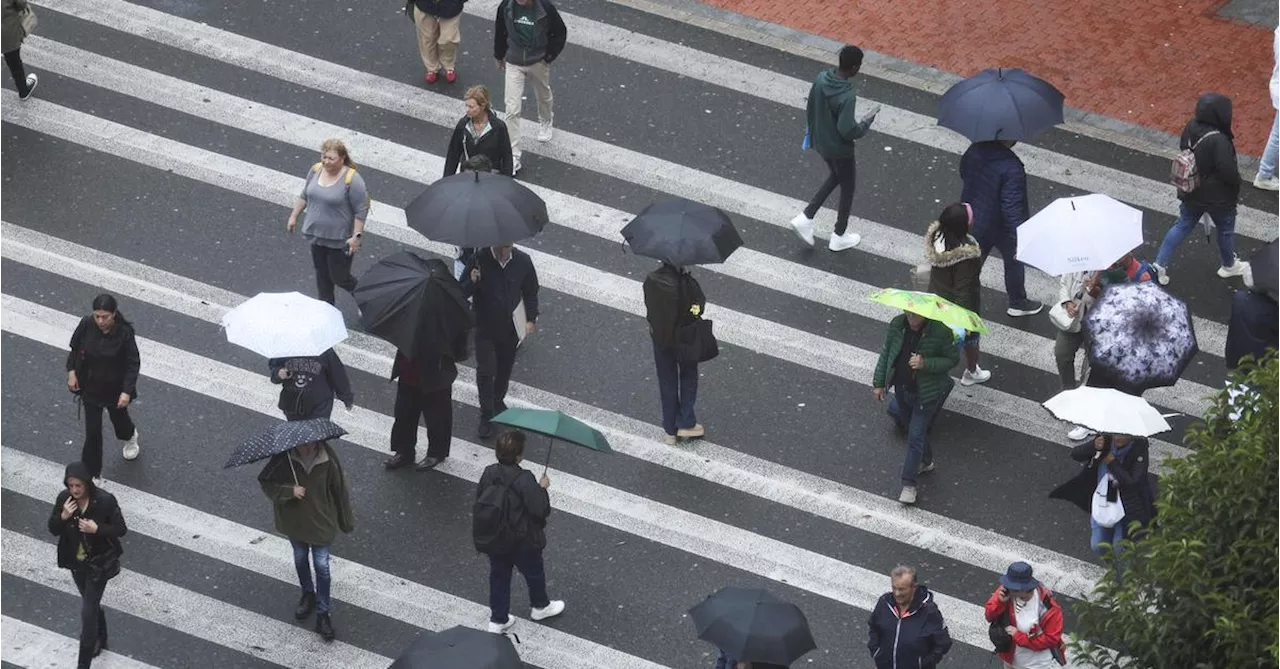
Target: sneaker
[
  {"x": 1079, "y": 433},
  {"x": 305, "y": 606},
  {"x": 1024, "y": 308},
  {"x": 843, "y": 242},
  {"x": 553, "y": 608},
  {"x": 433, "y": 77},
  {"x": 1236, "y": 268},
  {"x": 131, "y": 448},
  {"x": 978, "y": 375},
  {"x": 501, "y": 628},
  {"x": 925, "y": 468},
  {"x": 669, "y": 439},
  {"x": 515, "y": 167},
  {"x": 692, "y": 432},
  {"x": 1266, "y": 184},
  {"x": 451, "y": 76},
  {"x": 544, "y": 132},
  {"x": 324, "y": 627},
  {"x": 803, "y": 225},
  {"x": 32, "y": 80},
  {"x": 908, "y": 495},
  {"x": 1162, "y": 274}
]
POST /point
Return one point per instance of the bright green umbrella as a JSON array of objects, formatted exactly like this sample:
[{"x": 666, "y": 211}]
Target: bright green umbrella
[
  {"x": 555, "y": 425},
  {"x": 930, "y": 306}
]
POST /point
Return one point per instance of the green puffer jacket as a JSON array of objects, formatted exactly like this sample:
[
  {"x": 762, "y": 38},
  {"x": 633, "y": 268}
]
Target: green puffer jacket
[{"x": 938, "y": 347}]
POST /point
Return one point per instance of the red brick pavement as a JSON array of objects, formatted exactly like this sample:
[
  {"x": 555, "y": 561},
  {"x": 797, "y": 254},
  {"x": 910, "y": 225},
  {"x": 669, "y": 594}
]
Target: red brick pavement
[{"x": 1142, "y": 61}]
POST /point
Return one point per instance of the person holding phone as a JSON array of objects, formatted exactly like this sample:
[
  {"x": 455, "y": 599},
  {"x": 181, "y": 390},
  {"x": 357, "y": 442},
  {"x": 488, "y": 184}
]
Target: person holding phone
[
  {"x": 336, "y": 202},
  {"x": 1026, "y": 621}
]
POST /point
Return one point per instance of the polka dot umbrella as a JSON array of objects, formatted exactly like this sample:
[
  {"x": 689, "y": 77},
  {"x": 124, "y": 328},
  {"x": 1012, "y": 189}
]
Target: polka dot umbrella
[{"x": 283, "y": 437}]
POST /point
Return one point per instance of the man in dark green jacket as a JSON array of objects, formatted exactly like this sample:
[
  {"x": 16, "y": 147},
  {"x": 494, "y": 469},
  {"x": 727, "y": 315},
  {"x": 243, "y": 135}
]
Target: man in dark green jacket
[
  {"x": 916, "y": 359},
  {"x": 832, "y": 130}
]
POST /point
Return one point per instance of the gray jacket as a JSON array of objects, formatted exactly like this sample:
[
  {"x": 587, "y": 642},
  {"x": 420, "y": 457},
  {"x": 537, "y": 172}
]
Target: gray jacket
[{"x": 549, "y": 34}]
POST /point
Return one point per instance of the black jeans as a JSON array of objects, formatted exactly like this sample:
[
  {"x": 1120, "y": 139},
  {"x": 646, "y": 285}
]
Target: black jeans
[
  {"x": 436, "y": 409},
  {"x": 91, "y": 454},
  {"x": 495, "y": 356},
  {"x": 333, "y": 267},
  {"x": 14, "y": 60},
  {"x": 844, "y": 172},
  {"x": 535, "y": 576},
  {"x": 93, "y": 620}
]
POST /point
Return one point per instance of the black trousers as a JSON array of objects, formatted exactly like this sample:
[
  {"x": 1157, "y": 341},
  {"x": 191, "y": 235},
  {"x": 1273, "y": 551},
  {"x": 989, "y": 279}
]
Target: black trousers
[
  {"x": 333, "y": 267},
  {"x": 14, "y": 60},
  {"x": 93, "y": 620},
  {"x": 495, "y": 356},
  {"x": 91, "y": 454},
  {"x": 436, "y": 409},
  {"x": 843, "y": 173}
]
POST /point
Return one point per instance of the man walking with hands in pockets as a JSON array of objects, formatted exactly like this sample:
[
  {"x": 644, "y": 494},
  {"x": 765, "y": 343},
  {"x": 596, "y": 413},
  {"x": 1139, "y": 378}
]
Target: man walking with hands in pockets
[{"x": 527, "y": 36}]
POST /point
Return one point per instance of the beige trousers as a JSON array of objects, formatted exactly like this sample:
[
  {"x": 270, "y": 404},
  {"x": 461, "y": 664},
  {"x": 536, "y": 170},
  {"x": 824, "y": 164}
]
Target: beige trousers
[
  {"x": 437, "y": 40},
  {"x": 513, "y": 97}
]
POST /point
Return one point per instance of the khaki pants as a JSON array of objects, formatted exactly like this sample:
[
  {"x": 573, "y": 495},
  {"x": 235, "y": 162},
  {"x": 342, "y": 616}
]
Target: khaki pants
[
  {"x": 540, "y": 75},
  {"x": 437, "y": 40}
]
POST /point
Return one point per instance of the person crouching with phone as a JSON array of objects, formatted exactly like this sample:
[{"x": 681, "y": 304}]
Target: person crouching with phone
[{"x": 1026, "y": 621}]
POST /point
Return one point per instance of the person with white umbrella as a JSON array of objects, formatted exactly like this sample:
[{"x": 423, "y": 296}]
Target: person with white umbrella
[{"x": 309, "y": 383}]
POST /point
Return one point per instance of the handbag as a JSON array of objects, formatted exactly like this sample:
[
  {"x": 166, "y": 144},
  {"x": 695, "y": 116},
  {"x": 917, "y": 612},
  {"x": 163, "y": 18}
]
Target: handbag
[
  {"x": 1107, "y": 508},
  {"x": 695, "y": 341},
  {"x": 1000, "y": 639},
  {"x": 29, "y": 21},
  {"x": 103, "y": 567},
  {"x": 1062, "y": 320}
]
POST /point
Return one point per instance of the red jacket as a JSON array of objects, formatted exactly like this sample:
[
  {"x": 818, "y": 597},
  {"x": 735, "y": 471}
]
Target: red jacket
[{"x": 1045, "y": 635}]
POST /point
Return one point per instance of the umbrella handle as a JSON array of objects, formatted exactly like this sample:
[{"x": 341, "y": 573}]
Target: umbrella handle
[
  {"x": 550, "y": 442},
  {"x": 291, "y": 469}
]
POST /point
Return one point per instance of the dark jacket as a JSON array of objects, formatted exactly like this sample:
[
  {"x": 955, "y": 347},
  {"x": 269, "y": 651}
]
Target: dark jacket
[
  {"x": 549, "y": 32},
  {"x": 444, "y": 9},
  {"x": 103, "y": 510},
  {"x": 1132, "y": 472},
  {"x": 1215, "y": 156},
  {"x": 325, "y": 509},
  {"x": 995, "y": 185},
  {"x": 669, "y": 296},
  {"x": 11, "y": 32},
  {"x": 917, "y": 639},
  {"x": 428, "y": 373},
  {"x": 499, "y": 291},
  {"x": 1252, "y": 328},
  {"x": 937, "y": 346},
  {"x": 495, "y": 144},
  {"x": 106, "y": 364},
  {"x": 535, "y": 503},
  {"x": 830, "y": 114},
  {"x": 955, "y": 274},
  {"x": 312, "y": 385}
]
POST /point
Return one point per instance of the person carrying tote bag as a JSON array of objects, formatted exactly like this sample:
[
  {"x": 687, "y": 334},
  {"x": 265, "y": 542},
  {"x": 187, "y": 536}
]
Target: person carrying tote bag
[{"x": 674, "y": 305}]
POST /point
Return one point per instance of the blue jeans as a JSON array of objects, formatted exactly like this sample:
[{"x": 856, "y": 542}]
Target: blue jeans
[
  {"x": 1015, "y": 273},
  {"x": 320, "y": 556},
  {"x": 1188, "y": 216},
  {"x": 530, "y": 565},
  {"x": 1110, "y": 535},
  {"x": 907, "y": 412},
  {"x": 1267, "y": 167},
  {"x": 677, "y": 388}
]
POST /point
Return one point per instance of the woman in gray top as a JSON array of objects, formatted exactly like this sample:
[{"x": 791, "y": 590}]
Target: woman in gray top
[{"x": 337, "y": 202}]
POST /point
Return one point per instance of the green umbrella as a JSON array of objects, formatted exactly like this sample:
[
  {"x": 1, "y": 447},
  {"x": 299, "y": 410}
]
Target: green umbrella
[
  {"x": 930, "y": 306},
  {"x": 555, "y": 425}
]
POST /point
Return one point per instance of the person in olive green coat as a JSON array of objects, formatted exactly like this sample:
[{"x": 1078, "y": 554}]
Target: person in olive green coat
[
  {"x": 12, "y": 33},
  {"x": 309, "y": 493},
  {"x": 916, "y": 359}
]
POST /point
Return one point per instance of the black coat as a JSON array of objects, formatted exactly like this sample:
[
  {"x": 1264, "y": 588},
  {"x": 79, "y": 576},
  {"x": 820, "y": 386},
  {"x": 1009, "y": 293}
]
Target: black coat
[
  {"x": 444, "y": 9},
  {"x": 1215, "y": 156},
  {"x": 500, "y": 289},
  {"x": 920, "y": 639},
  {"x": 433, "y": 372},
  {"x": 103, "y": 509},
  {"x": 955, "y": 274},
  {"x": 1133, "y": 476},
  {"x": 669, "y": 295},
  {"x": 106, "y": 364},
  {"x": 494, "y": 144},
  {"x": 535, "y": 502},
  {"x": 1252, "y": 328},
  {"x": 312, "y": 385}
]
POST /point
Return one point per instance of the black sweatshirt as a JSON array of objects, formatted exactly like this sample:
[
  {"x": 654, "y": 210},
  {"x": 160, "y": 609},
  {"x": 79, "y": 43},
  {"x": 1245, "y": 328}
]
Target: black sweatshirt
[
  {"x": 312, "y": 384},
  {"x": 106, "y": 364}
]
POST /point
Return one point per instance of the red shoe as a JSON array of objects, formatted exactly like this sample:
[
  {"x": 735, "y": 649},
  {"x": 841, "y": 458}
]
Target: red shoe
[
  {"x": 450, "y": 76},
  {"x": 432, "y": 77}
]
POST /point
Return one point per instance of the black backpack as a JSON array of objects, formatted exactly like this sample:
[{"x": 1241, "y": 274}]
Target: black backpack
[{"x": 497, "y": 518}]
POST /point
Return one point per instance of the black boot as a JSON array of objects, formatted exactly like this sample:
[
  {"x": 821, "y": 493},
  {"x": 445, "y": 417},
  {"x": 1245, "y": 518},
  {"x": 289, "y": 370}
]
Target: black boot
[
  {"x": 305, "y": 606},
  {"x": 86, "y": 657},
  {"x": 324, "y": 626}
]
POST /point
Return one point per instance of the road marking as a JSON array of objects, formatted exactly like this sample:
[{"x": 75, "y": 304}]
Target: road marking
[{"x": 31, "y": 647}]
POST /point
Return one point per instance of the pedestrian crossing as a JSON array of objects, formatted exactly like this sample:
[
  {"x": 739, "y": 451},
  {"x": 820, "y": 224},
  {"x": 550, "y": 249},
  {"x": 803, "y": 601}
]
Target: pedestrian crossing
[{"x": 790, "y": 491}]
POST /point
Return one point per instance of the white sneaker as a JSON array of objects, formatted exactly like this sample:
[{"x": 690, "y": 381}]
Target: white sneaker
[
  {"x": 1234, "y": 269},
  {"x": 803, "y": 225},
  {"x": 908, "y": 495},
  {"x": 131, "y": 448},
  {"x": 32, "y": 80},
  {"x": 501, "y": 628},
  {"x": 978, "y": 375},
  {"x": 1079, "y": 433},
  {"x": 842, "y": 242},
  {"x": 1266, "y": 184},
  {"x": 925, "y": 468},
  {"x": 515, "y": 167},
  {"x": 1162, "y": 275},
  {"x": 544, "y": 132},
  {"x": 554, "y": 608}
]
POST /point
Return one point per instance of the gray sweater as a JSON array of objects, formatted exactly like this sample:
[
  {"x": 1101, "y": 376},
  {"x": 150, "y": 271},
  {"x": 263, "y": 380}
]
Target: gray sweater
[{"x": 332, "y": 210}]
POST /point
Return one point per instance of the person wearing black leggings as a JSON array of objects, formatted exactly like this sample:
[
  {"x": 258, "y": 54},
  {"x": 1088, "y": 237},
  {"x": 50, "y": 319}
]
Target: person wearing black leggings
[{"x": 12, "y": 33}]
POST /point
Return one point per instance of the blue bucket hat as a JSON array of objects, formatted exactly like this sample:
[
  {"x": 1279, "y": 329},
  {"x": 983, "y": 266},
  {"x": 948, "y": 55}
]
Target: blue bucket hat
[{"x": 1018, "y": 577}]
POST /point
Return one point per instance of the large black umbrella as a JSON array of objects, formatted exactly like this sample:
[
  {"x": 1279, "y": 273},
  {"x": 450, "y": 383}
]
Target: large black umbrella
[
  {"x": 476, "y": 209},
  {"x": 282, "y": 437},
  {"x": 459, "y": 648},
  {"x": 1139, "y": 336},
  {"x": 413, "y": 303},
  {"x": 1262, "y": 265},
  {"x": 1001, "y": 104},
  {"x": 752, "y": 625},
  {"x": 681, "y": 232}
]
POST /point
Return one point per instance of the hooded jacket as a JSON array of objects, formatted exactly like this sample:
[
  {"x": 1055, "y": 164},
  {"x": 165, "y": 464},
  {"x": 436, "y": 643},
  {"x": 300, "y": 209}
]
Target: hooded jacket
[
  {"x": 1133, "y": 478},
  {"x": 312, "y": 384},
  {"x": 830, "y": 114},
  {"x": 995, "y": 185},
  {"x": 915, "y": 639},
  {"x": 326, "y": 508},
  {"x": 549, "y": 34},
  {"x": 669, "y": 297},
  {"x": 1046, "y": 635},
  {"x": 1215, "y": 156},
  {"x": 494, "y": 144},
  {"x": 955, "y": 274},
  {"x": 534, "y": 501},
  {"x": 103, "y": 509},
  {"x": 106, "y": 364}
]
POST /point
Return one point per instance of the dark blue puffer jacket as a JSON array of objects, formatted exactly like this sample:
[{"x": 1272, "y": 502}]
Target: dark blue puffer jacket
[{"x": 995, "y": 185}]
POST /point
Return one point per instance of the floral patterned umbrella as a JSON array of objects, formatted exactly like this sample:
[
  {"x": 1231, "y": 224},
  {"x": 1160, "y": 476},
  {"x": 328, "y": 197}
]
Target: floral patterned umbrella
[
  {"x": 930, "y": 306},
  {"x": 1140, "y": 337}
]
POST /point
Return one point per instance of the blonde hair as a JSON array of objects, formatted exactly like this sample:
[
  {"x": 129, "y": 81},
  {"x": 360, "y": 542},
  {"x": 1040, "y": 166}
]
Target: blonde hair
[
  {"x": 478, "y": 93},
  {"x": 335, "y": 145}
]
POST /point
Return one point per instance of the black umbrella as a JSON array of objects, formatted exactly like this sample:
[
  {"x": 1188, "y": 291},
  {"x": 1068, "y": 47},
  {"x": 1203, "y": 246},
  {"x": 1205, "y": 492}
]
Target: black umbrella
[
  {"x": 476, "y": 209},
  {"x": 1001, "y": 104},
  {"x": 681, "y": 232},
  {"x": 413, "y": 303},
  {"x": 752, "y": 625},
  {"x": 282, "y": 437},
  {"x": 1262, "y": 265},
  {"x": 459, "y": 648}
]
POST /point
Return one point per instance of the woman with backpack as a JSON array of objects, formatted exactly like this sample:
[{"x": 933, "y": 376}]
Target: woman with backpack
[
  {"x": 102, "y": 370},
  {"x": 336, "y": 202},
  {"x": 955, "y": 270}
]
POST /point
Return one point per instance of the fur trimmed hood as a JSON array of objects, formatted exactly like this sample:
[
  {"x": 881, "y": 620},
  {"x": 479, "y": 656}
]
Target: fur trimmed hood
[{"x": 938, "y": 256}]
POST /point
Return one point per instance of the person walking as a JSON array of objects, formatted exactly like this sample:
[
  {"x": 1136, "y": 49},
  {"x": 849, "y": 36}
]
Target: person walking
[
  {"x": 479, "y": 133},
  {"x": 995, "y": 185},
  {"x": 308, "y": 492},
  {"x": 502, "y": 278},
  {"x": 1028, "y": 621},
  {"x": 465, "y": 256},
  {"x": 906, "y": 628},
  {"x": 424, "y": 388},
  {"x": 915, "y": 360},
  {"x": 673, "y": 299},
  {"x": 102, "y": 370},
  {"x": 1266, "y": 178},
  {"x": 1209, "y": 138},
  {"x": 89, "y": 524},
  {"x": 528, "y": 35},
  {"x": 833, "y": 128},
  {"x": 514, "y": 539},
  {"x": 336, "y": 202},
  {"x": 1115, "y": 465},
  {"x": 437, "y": 23},
  {"x": 308, "y": 385},
  {"x": 13, "y": 30},
  {"x": 955, "y": 262}
]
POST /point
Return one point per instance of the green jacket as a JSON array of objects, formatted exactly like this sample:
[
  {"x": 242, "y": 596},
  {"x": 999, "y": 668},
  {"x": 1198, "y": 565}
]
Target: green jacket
[
  {"x": 326, "y": 507},
  {"x": 832, "y": 125},
  {"x": 938, "y": 347}
]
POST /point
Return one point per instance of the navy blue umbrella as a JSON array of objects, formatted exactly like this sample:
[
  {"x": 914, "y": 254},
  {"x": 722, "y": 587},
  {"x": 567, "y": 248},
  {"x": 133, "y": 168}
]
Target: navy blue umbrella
[
  {"x": 1005, "y": 104},
  {"x": 282, "y": 437},
  {"x": 459, "y": 648}
]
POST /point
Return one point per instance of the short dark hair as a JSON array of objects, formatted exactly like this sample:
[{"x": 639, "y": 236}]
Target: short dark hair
[
  {"x": 509, "y": 447},
  {"x": 477, "y": 163},
  {"x": 850, "y": 58}
]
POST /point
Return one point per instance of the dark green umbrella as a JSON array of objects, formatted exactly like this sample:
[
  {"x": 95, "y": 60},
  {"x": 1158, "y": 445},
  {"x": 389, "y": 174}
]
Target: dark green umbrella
[{"x": 555, "y": 425}]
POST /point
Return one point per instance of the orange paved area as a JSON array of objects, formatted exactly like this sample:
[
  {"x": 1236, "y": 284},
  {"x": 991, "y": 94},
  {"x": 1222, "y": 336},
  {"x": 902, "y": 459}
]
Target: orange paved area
[{"x": 1142, "y": 61}]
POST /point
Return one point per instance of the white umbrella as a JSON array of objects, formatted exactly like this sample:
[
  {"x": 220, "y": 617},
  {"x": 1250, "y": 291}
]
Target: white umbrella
[
  {"x": 282, "y": 325},
  {"x": 1079, "y": 234},
  {"x": 1107, "y": 410}
]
